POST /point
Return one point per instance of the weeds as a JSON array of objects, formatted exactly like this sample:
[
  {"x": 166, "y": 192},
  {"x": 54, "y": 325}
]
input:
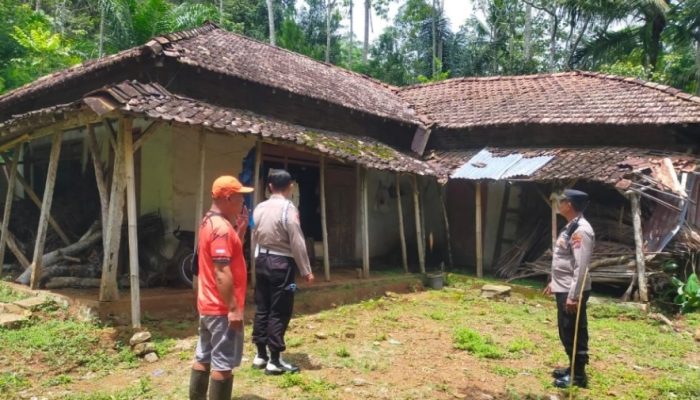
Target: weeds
[
  {"x": 473, "y": 342},
  {"x": 7, "y": 295}
]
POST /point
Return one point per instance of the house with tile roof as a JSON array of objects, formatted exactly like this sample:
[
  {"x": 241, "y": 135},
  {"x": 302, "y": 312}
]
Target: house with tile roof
[{"x": 387, "y": 175}]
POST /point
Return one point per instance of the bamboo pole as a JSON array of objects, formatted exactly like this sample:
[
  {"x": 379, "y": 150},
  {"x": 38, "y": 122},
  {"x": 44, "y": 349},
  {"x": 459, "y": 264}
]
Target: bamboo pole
[
  {"x": 554, "y": 204},
  {"x": 132, "y": 226},
  {"x": 479, "y": 234},
  {"x": 35, "y": 199},
  {"x": 402, "y": 233},
  {"x": 324, "y": 222},
  {"x": 45, "y": 210},
  {"x": 14, "y": 248},
  {"x": 110, "y": 261},
  {"x": 365, "y": 224},
  {"x": 639, "y": 245},
  {"x": 419, "y": 229},
  {"x": 99, "y": 178},
  {"x": 199, "y": 203},
  {"x": 9, "y": 199},
  {"x": 257, "y": 195}
]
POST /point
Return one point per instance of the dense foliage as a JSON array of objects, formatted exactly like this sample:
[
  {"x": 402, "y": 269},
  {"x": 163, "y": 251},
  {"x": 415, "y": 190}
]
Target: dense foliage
[{"x": 657, "y": 40}]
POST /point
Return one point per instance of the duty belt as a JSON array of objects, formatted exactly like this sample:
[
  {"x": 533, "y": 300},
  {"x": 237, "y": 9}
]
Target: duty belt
[{"x": 263, "y": 250}]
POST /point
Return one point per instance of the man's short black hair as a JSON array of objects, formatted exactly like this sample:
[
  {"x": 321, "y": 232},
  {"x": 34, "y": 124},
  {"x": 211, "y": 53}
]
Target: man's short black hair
[{"x": 279, "y": 179}]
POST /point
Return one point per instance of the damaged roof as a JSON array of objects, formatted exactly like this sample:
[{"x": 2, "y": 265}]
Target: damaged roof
[
  {"x": 151, "y": 100},
  {"x": 608, "y": 165},
  {"x": 561, "y": 98}
]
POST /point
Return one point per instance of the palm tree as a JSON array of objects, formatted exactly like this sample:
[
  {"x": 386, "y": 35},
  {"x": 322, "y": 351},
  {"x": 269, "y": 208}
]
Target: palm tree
[{"x": 684, "y": 31}]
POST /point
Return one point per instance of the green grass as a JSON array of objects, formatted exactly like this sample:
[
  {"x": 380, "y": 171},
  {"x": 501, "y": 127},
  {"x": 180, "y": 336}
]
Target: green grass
[
  {"x": 11, "y": 383},
  {"x": 7, "y": 295},
  {"x": 473, "y": 342},
  {"x": 342, "y": 352},
  {"x": 142, "y": 390}
]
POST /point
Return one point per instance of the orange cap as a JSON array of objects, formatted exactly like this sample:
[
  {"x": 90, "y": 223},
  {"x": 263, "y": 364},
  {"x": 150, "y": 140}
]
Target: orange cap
[{"x": 227, "y": 185}]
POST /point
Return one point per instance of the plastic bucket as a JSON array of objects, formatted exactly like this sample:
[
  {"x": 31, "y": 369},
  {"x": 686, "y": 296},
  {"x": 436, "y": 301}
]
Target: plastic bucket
[{"x": 435, "y": 280}]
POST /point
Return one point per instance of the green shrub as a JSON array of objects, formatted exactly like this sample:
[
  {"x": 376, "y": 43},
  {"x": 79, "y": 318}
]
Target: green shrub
[{"x": 471, "y": 341}]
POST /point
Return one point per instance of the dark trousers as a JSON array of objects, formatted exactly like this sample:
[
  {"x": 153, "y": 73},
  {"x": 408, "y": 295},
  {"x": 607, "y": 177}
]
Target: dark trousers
[
  {"x": 567, "y": 326},
  {"x": 274, "y": 300}
]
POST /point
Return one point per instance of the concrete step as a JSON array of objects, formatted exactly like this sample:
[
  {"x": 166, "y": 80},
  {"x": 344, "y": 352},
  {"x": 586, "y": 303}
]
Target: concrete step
[{"x": 11, "y": 321}]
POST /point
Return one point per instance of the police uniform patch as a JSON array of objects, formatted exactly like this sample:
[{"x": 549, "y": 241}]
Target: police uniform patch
[{"x": 576, "y": 240}]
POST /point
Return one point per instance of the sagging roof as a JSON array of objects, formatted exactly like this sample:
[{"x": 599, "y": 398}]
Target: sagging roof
[
  {"x": 608, "y": 165},
  {"x": 210, "y": 48},
  {"x": 561, "y": 98},
  {"x": 153, "y": 101}
]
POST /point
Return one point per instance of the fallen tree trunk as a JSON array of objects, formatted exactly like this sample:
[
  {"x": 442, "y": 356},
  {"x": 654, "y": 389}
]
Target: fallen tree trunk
[
  {"x": 56, "y": 256},
  {"x": 61, "y": 282}
]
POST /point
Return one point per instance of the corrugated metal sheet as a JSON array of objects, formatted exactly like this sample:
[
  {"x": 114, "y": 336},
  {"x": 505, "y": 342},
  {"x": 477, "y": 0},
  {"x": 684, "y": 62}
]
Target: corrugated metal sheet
[{"x": 484, "y": 165}]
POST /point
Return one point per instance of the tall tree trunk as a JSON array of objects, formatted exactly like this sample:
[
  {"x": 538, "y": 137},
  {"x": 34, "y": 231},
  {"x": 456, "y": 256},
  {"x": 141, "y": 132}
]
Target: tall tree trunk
[
  {"x": 365, "y": 47},
  {"x": 658, "y": 25},
  {"x": 553, "y": 42},
  {"x": 102, "y": 30},
  {"x": 697, "y": 64},
  {"x": 434, "y": 23},
  {"x": 527, "y": 34},
  {"x": 329, "y": 13},
  {"x": 352, "y": 33},
  {"x": 574, "y": 46},
  {"x": 221, "y": 12},
  {"x": 271, "y": 20},
  {"x": 38, "y": 5}
]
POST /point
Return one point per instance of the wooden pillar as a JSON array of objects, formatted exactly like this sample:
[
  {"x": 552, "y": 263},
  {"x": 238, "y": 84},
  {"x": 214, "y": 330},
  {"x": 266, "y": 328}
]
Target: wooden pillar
[
  {"x": 132, "y": 218},
  {"x": 45, "y": 210},
  {"x": 99, "y": 178},
  {"x": 35, "y": 199},
  {"x": 554, "y": 203},
  {"x": 365, "y": 222},
  {"x": 479, "y": 234},
  {"x": 199, "y": 203},
  {"x": 402, "y": 232},
  {"x": 257, "y": 196},
  {"x": 110, "y": 261},
  {"x": 419, "y": 229},
  {"x": 9, "y": 199},
  {"x": 324, "y": 222},
  {"x": 639, "y": 245},
  {"x": 446, "y": 220}
]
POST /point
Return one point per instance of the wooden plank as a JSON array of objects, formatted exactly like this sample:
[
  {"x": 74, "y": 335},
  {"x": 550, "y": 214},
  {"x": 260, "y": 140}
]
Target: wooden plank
[
  {"x": 446, "y": 221},
  {"x": 16, "y": 251},
  {"x": 639, "y": 246},
  {"x": 132, "y": 218},
  {"x": 257, "y": 195},
  {"x": 110, "y": 261},
  {"x": 99, "y": 178},
  {"x": 501, "y": 223},
  {"x": 479, "y": 233},
  {"x": 35, "y": 199},
  {"x": 9, "y": 199},
  {"x": 199, "y": 203},
  {"x": 402, "y": 232},
  {"x": 365, "y": 223},
  {"x": 419, "y": 229},
  {"x": 147, "y": 134},
  {"x": 324, "y": 222},
  {"x": 45, "y": 210}
]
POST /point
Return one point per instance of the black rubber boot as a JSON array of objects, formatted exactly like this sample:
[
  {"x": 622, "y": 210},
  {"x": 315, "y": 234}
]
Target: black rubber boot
[
  {"x": 221, "y": 390},
  {"x": 559, "y": 373},
  {"x": 580, "y": 378},
  {"x": 199, "y": 383}
]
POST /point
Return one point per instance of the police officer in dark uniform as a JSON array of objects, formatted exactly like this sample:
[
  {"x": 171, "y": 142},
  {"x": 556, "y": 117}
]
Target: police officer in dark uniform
[{"x": 570, "y": 261}]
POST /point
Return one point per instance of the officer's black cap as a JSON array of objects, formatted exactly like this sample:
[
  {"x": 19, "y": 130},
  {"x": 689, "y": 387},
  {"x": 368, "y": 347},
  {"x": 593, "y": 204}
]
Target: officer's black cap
[{"x": 577, "y": 198}]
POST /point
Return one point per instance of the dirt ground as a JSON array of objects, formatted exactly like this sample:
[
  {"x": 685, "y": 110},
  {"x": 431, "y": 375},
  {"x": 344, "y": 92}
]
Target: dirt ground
[{"x": 403, "y": 347}]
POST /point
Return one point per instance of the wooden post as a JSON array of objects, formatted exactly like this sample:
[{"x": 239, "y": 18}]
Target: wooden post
[
  {"x": 419, "y": 228},
  {"x": 132, "y": 226},
  {"x": 45, "y": 210},
  {"x": 9, "y": 199},
  {"x": 402, "y": 233},
  {"x": 479, "y": 234},
  {"x": 554, "y": 202},
  {"x": 99, "y": 178},
  {"x": 324, "y": 223},
  {"x": 110, "y": 261},
  {"x": 365, "y": 223},
  {"x": 35, "y": 199},
  {"x": 448, "y": 238},
  {"x": 199, "y": 203},
  {"x": 257, "y": 195},
  {"x": 639, "y": 245}
]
